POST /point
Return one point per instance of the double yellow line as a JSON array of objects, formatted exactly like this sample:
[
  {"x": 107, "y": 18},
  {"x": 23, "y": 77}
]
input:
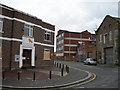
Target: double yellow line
[{"x": 91, "y": 79}]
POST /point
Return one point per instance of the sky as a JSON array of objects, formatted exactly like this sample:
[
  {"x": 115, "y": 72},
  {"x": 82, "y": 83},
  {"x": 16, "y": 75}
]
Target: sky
[{"x": 70, "y": 15}]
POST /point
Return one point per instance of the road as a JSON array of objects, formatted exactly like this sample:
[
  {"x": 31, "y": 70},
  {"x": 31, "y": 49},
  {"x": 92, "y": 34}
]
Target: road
[{"x": 107, "y": 76}]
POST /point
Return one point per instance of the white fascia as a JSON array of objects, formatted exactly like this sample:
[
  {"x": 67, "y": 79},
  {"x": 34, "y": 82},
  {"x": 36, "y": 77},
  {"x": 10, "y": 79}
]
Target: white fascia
[
  {"x": 29, "y": 23},
  {"x": 19, "y": 40}
]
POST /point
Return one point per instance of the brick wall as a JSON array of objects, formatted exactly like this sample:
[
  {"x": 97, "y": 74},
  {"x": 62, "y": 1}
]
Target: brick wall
[
  {"x": 71, "y": 40},
  {"x": 14, "y": 29}
]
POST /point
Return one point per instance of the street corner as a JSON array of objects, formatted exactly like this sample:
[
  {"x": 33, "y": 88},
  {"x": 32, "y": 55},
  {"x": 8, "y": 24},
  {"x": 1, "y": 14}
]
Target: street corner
[{"x": 67, "y": 80}]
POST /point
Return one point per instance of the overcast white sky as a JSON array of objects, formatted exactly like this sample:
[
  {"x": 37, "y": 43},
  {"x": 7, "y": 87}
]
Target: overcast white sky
[{"x": 72, "y": 15}]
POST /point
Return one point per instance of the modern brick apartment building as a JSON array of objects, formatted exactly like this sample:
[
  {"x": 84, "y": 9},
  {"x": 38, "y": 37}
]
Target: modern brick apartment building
[
  {"x": 107, "y": 40},
  {"x": 25, "y": 40},
  {"x": 68, "y": 42}
]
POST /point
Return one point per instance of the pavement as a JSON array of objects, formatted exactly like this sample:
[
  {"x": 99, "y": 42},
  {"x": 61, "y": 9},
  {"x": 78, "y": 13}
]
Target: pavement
[{"x": 42, "y": 80}]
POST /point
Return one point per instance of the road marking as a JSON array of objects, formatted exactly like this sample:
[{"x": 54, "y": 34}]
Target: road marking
[
  {"x": 94, "y": 76},
  {"x": 78, "y": 87}
]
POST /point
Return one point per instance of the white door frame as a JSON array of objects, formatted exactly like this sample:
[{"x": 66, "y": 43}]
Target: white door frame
[{"x": 32, "y": 55}]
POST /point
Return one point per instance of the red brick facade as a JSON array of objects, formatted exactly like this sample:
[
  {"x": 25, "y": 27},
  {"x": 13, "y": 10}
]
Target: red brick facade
[
  {"x": 86, "y": 49},
  {"x": 13, "y": 36},
  {"x": 68, "y": 44}
]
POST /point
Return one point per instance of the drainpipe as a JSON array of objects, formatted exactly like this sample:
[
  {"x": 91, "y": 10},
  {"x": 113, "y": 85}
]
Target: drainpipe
[{"x": 11, "y": 44}]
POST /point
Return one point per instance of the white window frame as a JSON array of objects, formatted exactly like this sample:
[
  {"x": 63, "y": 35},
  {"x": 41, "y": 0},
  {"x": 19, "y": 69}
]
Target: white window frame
[
  {"x": 47, "y": 50},
  {"x": 58, "y": 42},
  {"x": 62, "y": 34},
  {"x": 1, "y": 27},
  {"x": 61, "y": 47},
  {"x": 116, "y": 34},
  {"x": 30, "y": 28},
  {"x": 105, "y": 38},
  {"x": 62, "y": 41},
  {"x": 100, "y": 38},
  {"x": 47, "y": 33},
  {"x": 110, "y": 35}
]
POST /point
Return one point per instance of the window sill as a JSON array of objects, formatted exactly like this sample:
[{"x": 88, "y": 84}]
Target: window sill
[
  {"x": 47, "y": 59},
  {"x": 48, "y": 40},
  {"x": 16, "y": 61},
  {"x": 1, "y": 32},
  {"x": 28, "y": 36}
]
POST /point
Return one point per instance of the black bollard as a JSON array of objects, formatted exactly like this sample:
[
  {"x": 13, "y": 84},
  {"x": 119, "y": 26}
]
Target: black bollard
[
  {"x": 62, "y": 72},
  {"x": 3, "y": 75},
  {"x": 18, "y": 75},
  {"x": 63, "y": 66},
  {"x": 60, "y": 65},
  {"x": 57, "y": 64},
  {"x": 67, "y": 69},
  {"x": 50, "y": 75},
  {"x": 34, "y": 76}
]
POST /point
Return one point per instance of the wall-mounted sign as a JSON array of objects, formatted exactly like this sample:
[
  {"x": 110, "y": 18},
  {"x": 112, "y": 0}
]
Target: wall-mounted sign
[
  {"x": 17, "y": 58},
  {"x": 27, "y": 41}
]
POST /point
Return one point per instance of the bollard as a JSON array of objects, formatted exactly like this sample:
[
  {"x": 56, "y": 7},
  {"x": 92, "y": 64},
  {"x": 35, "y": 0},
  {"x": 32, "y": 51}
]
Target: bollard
[
  {"x": 3, "y": 75},
  {"x": 57, "y": 64},
  {"x": 18, "y": 75},
  {"x": 34, "y": 76},
  {"x": 62, "y": 72},
  {"x": 60, "y": 65},
  {"x": 63, "y": 66},
  {"x": 50, "y": 75},
  {"x": 67, "y": 69}
]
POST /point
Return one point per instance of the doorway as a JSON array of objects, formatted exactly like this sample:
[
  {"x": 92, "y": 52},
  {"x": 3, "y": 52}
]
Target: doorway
[{"x": 27, "y": 57}]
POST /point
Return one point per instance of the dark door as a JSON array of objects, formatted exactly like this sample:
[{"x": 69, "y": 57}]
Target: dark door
[
  {"x": 89, "y": 55},
  {"x": 109, "y": 55},
  {"x": 27, "y": 60},
  {"x": 80, "y": 57}
]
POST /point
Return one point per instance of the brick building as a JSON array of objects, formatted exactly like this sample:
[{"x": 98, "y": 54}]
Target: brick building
[
  {"x": 107, "y": 40},
  {"x": 25, "y": 40},
  {"x": 67, "y": 43},
  {"x": 86, "y": 49}
]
